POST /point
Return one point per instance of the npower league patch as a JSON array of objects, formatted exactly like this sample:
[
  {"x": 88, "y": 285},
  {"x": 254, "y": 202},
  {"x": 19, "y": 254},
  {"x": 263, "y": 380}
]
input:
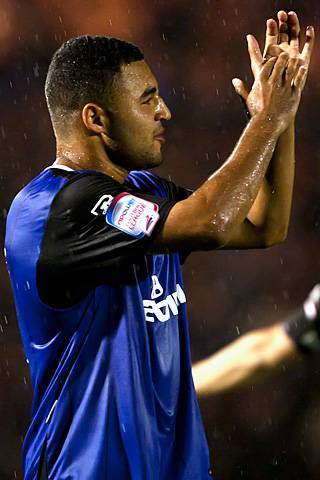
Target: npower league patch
[{"x": 133, "y": 215}]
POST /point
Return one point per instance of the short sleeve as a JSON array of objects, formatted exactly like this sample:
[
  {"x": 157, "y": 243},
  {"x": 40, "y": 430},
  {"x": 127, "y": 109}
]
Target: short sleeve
[
  {"x": 175, "y": 192},
  {"x": 96, "y": 228},
  {"x": 150, "y": 183}
]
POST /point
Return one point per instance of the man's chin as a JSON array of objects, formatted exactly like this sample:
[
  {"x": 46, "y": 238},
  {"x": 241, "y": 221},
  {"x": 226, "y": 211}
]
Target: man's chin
[{"x": 156, "y": 161}]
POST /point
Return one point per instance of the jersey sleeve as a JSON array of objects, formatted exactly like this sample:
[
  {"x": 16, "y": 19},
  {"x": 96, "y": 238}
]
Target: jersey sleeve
[
  {"x": 175, "y": 192},
  {"x": 151, "y": 183},
  {"x": 95, "y": 229}
]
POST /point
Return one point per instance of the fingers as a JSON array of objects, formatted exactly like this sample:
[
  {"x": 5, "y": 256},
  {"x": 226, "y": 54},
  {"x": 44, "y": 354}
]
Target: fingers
[
  {"x": 273, "y": 51},
  {"x": 240, "y": 88},
  {"x": 267, "y": 68},
  {"x": 271, "y": 35},
  {"x": 308, "y": 46},
  {"x": 291, "y": 70},
  {"x": 301, "y": 77},
  {"x": 294, "y": 28},
  {"x": 255, "y": 54},
  {"x": 279, "y": 67},
  {"x": 283, "y": 27},
  {"x": 243, "y": 93}
]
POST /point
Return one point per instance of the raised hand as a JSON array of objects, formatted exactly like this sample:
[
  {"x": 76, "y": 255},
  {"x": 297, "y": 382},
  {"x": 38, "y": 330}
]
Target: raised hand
[
  {"x": 277, "y": 89},
  {"x": 286, "y": 38},
  {"x": 281, "y": 37}
]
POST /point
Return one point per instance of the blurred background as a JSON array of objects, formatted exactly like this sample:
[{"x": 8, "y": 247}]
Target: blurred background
[{"x": 266, "y": 431}]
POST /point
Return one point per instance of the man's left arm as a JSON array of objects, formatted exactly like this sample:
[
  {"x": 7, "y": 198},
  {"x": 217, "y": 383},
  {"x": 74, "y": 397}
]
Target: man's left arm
[{"x": 272, "y": 207}]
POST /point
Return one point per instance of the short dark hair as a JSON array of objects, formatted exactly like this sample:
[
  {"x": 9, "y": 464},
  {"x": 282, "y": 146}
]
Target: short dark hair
[{"x": 82, "y": 70}]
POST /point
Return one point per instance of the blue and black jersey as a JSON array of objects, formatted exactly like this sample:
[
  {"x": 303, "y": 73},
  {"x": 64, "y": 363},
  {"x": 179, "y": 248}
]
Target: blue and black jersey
[{"x": 104, "y": 327}]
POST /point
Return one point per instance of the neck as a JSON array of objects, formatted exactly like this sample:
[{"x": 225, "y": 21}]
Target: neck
[{"x": 84, "y": 157}]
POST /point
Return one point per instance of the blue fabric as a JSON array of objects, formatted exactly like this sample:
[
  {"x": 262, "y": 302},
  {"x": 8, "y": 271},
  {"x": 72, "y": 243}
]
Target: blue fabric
[{"x": 113, "y": 391}]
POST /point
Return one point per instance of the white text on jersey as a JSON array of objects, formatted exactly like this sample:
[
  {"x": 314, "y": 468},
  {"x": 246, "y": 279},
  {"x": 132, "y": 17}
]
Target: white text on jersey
[{"x": 163, "y": 309}]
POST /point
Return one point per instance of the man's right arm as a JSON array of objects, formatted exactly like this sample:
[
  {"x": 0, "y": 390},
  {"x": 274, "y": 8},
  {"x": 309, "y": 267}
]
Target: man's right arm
[
  {"x": 217, "y": 211},
  {"x": 272, "y": 207}
]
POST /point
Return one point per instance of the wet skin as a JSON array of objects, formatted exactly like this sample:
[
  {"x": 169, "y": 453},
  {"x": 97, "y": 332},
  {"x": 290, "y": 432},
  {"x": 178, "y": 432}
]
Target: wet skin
[{"x": 136, "y": 118}]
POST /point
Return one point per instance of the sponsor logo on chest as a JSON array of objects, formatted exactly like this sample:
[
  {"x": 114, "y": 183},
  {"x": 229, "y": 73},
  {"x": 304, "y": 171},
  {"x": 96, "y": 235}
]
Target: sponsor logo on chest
[{"x": 162, "y": 310}]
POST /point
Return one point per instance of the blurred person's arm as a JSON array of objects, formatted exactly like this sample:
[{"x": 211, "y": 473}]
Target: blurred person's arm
[
  {"x": 244, "y": 360},
  {"x": 273, "y": 203},
  {"x": 261, "y": 351}
]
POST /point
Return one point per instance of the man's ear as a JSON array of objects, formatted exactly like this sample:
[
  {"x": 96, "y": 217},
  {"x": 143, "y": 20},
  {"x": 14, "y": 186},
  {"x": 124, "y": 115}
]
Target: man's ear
[{"x": 95, "y": 119}]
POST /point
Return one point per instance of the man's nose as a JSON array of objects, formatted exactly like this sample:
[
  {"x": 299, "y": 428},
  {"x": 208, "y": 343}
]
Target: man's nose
[{"x": 162, "y": 111}]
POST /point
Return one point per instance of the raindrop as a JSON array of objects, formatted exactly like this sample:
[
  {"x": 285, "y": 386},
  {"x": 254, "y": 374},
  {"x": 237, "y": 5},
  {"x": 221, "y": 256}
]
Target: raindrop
[
  {"x": 285, "y": 294},
  {"x": 3, "y": 133},
  {"x": 36, "y": 70}
]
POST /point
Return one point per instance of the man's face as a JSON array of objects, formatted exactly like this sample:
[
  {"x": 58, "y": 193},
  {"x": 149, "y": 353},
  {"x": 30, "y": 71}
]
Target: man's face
[{"x": 136, "y": 118}]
